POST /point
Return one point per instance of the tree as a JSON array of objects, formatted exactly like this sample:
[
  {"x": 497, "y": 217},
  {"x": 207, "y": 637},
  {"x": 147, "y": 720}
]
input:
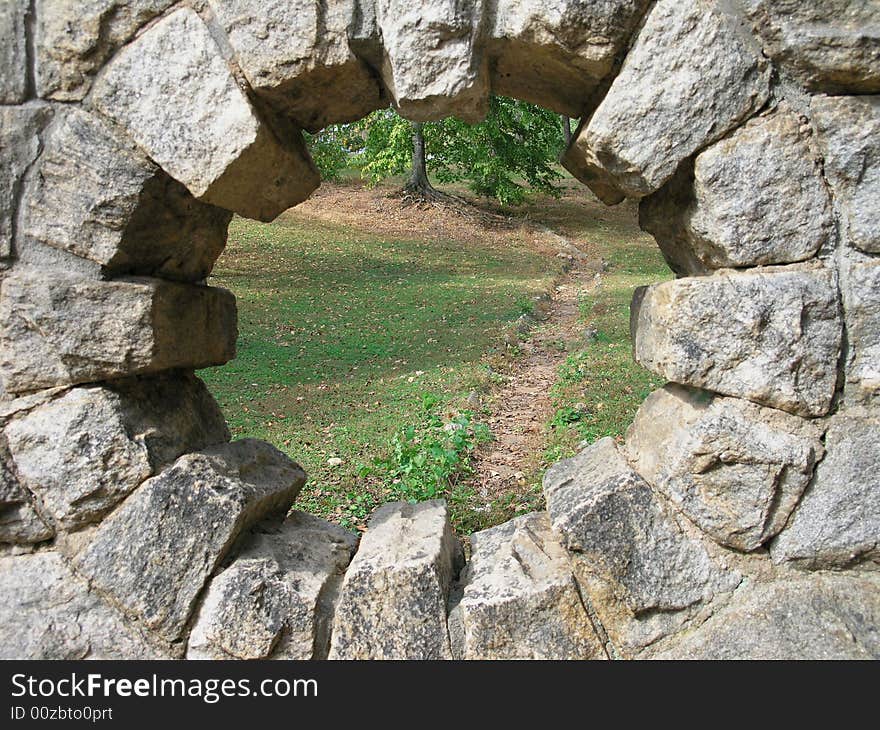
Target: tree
[
  {"x": 418, "y": 176},
  {"x": 510, "y": 153},
  {"x": 566, "y": 129}
]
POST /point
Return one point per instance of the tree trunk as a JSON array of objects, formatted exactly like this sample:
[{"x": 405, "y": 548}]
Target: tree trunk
[
  {"x": 418, "y": 179},
  {"x": 566, "y": 129}
]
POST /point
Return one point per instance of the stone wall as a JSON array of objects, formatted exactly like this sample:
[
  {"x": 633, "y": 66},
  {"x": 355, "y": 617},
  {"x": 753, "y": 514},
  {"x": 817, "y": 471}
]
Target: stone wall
[{"x": 741, "y": 518}]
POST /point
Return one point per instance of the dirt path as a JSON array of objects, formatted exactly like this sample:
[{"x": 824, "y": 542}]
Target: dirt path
[{"x": 521, "y": 408}]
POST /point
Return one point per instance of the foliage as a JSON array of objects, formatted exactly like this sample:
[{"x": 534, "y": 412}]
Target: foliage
[
  {"x": 513, "y": 151},
  {"x": 387, "y": 148},
  {"x": 332, "y": 149},
  {"x": 428, "y": 458}
]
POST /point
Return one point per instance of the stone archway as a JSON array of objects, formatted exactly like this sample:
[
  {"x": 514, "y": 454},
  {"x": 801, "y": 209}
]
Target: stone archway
[{"x": 741, "y": 518}]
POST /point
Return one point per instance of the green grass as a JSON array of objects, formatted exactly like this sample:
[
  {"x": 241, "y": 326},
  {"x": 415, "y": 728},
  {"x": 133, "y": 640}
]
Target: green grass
[
  {"x": 343, "y": 333},
  {"x": 600, "y": 387}
]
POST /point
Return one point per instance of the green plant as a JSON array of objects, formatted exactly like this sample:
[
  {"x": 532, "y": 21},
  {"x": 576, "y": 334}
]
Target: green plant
[
  {"x": 525, "y": 306},
  {"x": 332, "y": 149},
  {"x": 426, "y": 459},
  {"x": 510, "y": 154},
  {"x": 566, "y": 415}
]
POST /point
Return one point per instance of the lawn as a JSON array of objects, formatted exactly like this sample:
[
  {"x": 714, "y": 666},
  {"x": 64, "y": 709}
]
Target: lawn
[
  {"x": 361, "y": 338},
  {"x": 347, "y": 337}
]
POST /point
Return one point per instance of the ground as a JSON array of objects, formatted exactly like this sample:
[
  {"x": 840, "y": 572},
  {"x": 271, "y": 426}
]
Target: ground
[{"x": 379, "y": 341}]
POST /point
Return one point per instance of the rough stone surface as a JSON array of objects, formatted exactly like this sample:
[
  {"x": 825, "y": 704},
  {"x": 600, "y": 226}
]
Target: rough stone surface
[
  {"x": 848, "y": 131},
  {"x": 20, "y": 128},
  {"x": 556, "y": 54},
  {"x": 754, "y": 198},
  {"x": 519, "y": 599},
  {"x": 173, "y": 92},
  {"x": 277, "y": 596},
  {"x": 94, "y": 195},
  {"x": 606, "y": 512},
  {"x": 13, "y": 51},
  {"x": 642, "y": 576},
  {"x": 46, "y": 612},
  {"x": 838, "y": 520},
  {"x": 296, "y": 55},
  {"x": 19, "y": 521},
  {"x": 87, "y": 450},
  {"x": 692, "y": 75},
  {"x": 430, "y": 66},
  {"x": 67, "y": 330},
  {"x": 73, "y": 40},
  {"x": 131, "y": 129},
  {"x": 77, "y": 457},
  {"x": 171, "y": 413},
  {"x": 36, "y": 257},
  {"x": 768, "y": 335},
  {"x": 860, "y": 287},
  {"x": 824, "y": 617},
  {"x": 152, "y": 556},
  {"x": 827, "y": 45},
  {"x": 735, "y": 469},
  {"x": 392, "y": 604}
]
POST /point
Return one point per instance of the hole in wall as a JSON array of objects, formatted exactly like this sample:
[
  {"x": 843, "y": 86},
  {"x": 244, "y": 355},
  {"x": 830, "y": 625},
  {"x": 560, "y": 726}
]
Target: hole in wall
[{"x": 371, "y": 328}]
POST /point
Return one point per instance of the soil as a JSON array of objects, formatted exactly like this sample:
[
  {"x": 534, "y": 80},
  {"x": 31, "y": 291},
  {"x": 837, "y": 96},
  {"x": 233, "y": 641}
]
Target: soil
[{"x": 392, "y": 215}]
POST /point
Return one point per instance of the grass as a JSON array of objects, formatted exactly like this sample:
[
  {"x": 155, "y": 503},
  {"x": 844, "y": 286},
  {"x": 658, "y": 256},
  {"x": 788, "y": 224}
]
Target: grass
[{"x": 344, "y": 334}]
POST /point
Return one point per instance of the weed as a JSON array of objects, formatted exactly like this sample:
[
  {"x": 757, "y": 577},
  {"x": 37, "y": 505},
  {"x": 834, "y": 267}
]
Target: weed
[{"x": 427, "y": 459}]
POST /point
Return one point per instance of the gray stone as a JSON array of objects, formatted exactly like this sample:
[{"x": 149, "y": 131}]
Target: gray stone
[
  {"x": 556, "y": 54},
  {"x": 75, "y": 454},
  {"x": 85, "y": 451},
  {"x": 430, "y": 64},
  {"x": 392, "y": 603},
  {"x": 692, "y": 75},
  {"x": 19, "y": 521},
  {"x": 73, "y": 40},
  {"x": 848, "y": 131},
  {"x": 823, "y": 617},
  {"x": 13, "y": 51},
  {"x": 36, "y": 257},
  {"x": 838, "y": 520},
  {"x": 171, "y": 413},
  {"x": 95, "y": 195},
  {"x": 827, "y": 45},
  {"x": 173, "y": 92},
  {"x": 605, "y": 511},
  {"x": 277, "y": 596},
  {"x": 519, "y": 598},
  {"x": 754, "y": 198},
  {"x": 67, "y": 330},
  {"x": 152, "y": 555},
  {"x": 735, "y": 469},
  {"x": 768, "y": 335},
  {"x": 296, "y": 55},
  {"x": 19, "y": 146},
  {"x": 46, "y": 612},
  {"x": 860, "y": 287}
]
